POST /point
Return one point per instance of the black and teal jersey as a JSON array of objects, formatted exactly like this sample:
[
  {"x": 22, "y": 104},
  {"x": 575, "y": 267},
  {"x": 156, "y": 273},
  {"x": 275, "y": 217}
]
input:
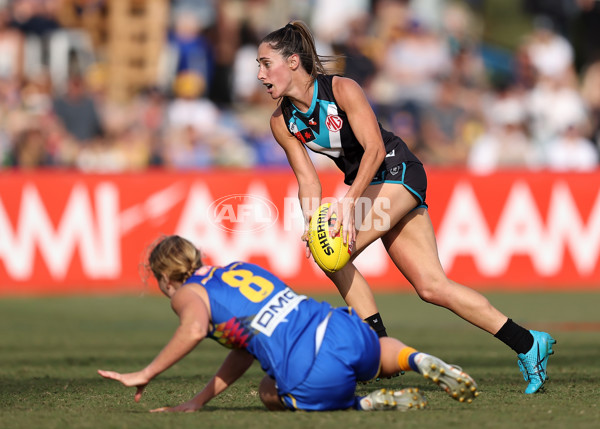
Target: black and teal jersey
[{"x": 325, "y": 129}]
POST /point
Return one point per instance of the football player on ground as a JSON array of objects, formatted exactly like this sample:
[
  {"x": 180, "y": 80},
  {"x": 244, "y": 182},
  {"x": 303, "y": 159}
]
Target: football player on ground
[{"x": 313, "y": 354}]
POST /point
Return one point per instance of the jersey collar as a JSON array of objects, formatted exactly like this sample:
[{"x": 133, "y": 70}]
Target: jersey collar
[{"x": 313, "y": 102}]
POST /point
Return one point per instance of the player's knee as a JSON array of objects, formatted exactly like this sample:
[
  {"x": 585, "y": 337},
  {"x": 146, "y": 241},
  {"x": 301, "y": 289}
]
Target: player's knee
[
  {"x": 267, "y": 392},
  {"x": 431, "y": 292}
]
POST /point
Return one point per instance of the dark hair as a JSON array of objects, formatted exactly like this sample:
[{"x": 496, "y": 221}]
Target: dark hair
[{"x": 296, "y": 38}]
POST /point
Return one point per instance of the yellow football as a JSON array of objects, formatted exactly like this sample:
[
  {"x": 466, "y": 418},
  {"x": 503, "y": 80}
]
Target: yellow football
[{"x": 330, "y": 253}]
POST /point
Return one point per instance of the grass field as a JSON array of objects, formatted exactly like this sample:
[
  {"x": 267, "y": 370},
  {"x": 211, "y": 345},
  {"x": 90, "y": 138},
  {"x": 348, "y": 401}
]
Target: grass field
[{"x": 50, "y": 349}]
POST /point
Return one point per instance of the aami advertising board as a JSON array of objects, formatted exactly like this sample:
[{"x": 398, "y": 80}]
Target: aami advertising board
[{"x": 69, "y": 232}]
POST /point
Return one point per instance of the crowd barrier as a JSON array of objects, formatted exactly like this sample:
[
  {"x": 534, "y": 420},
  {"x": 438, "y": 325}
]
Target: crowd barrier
[{"x": 68, "y": 232}]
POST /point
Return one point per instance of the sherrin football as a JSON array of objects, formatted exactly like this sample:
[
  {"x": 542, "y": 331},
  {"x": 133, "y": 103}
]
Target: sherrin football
[{"x": 330, "y": 253}]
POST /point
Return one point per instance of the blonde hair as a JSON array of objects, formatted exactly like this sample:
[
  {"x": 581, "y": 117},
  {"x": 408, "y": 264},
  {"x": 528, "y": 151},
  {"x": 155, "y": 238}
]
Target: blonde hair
[
  {"x": 296, "y": 38},
  {"x": 175, "y": 257}
]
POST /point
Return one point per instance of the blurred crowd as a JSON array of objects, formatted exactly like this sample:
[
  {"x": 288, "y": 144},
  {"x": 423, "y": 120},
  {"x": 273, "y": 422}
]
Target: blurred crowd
[{"x": 457, "y": 100}]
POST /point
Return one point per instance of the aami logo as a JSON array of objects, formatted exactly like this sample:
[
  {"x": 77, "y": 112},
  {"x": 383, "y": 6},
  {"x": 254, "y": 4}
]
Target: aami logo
[{"x": 334, "y": 123}]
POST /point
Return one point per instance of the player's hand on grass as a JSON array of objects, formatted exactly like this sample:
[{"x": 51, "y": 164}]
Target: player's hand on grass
[{"x": 132, "y": 379}]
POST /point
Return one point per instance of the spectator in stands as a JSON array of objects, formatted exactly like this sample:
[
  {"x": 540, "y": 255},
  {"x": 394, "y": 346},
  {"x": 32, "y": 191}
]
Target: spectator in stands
[
  {"x": 405, "y": 123},
  {"x": 550, "y": 53},
  {"x": 189, "y": 49},
  {"x": 355, "y": 50},
  {"x": 29, "y": 150},
  {"x": 549, "y": 103},
  {"x": 331, "y": 19},
  {"x": 443, "y": 122},
  {"x": 590, "y": 92},
  {"x": 505, "y": 144},
  {"x": 196, "y": 134},
  {"x": 33, "y": 17},
  {"x": 150, "y": 108},
  {"x": 78, "y": 112},
  {"x": 395, "y": 56},
  {"x": 588, "y": 27},
  {"x": 191, "y": 122},
  {"x": 556, "y": 13},
  {"x": 413, "y": 61},
  {"x": 37, "y": 22},
  {"x": 246, "y": 89},
  {"x": 570, "y": 151},
  {"x": 11, "y": 48}
]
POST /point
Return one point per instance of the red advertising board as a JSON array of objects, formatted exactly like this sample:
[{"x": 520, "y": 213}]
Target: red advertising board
[{"x": 67, "y": 232}]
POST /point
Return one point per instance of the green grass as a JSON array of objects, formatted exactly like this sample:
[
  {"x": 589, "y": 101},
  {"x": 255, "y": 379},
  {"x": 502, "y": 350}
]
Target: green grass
[{"x": 50, "y": 349}]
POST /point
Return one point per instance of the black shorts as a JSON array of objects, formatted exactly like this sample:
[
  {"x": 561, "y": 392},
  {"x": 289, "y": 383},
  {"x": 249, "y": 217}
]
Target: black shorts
[{"x": 410, "y": 174}]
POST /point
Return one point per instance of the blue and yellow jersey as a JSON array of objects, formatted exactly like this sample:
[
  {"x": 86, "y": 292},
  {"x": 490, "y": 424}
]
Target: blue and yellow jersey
[
  {"x": 325, "y": 129},
  {"x": 253, "y": 309}
]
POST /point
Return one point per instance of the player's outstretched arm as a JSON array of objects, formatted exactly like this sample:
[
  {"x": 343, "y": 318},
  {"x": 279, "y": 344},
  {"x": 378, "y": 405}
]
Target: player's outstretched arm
[
  {"x": 192, "y": 329},
  {"x": 235, "y": 365}
]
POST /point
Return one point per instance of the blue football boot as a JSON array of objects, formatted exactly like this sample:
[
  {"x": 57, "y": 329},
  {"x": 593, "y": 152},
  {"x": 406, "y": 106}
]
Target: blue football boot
[{"x": 533, "y": 363}]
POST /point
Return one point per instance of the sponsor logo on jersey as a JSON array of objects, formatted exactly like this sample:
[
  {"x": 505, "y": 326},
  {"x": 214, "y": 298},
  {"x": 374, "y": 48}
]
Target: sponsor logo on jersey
[
  {"x": 275, "y": 311},
  {"x": 334, "y": 123},
  {"x": 312, "y": 121}
]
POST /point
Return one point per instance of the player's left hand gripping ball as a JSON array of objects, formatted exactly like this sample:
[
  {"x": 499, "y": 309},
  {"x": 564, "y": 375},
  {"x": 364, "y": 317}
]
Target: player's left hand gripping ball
[{"x": 330, "y": 253}]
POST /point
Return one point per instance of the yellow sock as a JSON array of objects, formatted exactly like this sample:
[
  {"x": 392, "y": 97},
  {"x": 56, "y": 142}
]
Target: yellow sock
[{"x": 403, "y": 358}]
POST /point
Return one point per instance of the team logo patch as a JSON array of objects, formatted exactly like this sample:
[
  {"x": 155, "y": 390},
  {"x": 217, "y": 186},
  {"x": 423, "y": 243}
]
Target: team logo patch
[
  {"x": 334, "y": 123},
  {"x": 306, "y": 135},
  {"x": 394, "y": 170}
]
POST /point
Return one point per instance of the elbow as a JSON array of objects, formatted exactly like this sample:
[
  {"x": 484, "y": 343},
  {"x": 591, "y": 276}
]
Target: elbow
[
  {"x": 380, "y": 154},
  {"x": 196, "y": 332}
]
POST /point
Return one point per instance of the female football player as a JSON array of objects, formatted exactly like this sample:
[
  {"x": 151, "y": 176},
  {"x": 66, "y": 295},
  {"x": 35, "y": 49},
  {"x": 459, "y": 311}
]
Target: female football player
[
  {"x": 313, "y": 354},
  {"x": 330, "y": 115}
]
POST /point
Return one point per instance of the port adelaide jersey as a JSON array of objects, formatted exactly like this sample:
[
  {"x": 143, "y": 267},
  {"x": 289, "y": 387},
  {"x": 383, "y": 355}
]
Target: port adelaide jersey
[{"x": 325, "y": 129}]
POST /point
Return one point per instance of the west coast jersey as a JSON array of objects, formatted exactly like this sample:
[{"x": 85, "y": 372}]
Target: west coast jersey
[
  {"x": 325, "y": 129},
  {"x": 254, "y": 310}
]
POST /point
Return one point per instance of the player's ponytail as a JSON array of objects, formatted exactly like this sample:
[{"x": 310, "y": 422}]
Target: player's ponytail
[{"x": 296, "y": 38}]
